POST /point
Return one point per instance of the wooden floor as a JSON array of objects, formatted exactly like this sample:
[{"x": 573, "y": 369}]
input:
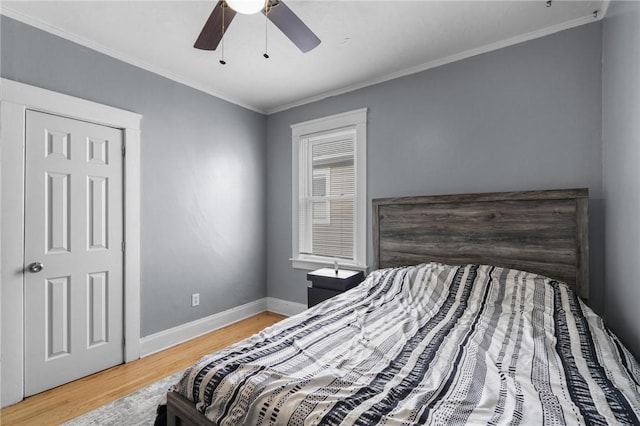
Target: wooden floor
[{"x": 76, "y": 398}]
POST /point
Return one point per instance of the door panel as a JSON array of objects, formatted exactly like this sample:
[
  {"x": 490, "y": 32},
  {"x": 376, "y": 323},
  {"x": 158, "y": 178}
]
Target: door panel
[
  {"x": 57, "y": 219},
  {"x": 73, "y": 226},
  {"x": 98, "y": 285},
  {"x": 57, "y": 317},
  {"x": 97, "y": 215}
]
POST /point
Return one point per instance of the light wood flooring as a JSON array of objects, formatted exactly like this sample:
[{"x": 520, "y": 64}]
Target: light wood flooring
[{"x": 76, "y": 398}]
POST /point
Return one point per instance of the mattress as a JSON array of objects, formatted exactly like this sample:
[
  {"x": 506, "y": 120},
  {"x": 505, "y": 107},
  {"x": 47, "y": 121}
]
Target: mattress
[{"x": 427, "y": 344}]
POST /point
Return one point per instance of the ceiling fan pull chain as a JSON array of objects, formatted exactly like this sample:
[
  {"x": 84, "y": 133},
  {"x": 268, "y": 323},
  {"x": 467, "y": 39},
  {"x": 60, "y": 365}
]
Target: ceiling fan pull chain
[
  {"x": 266, "y": 28},
  {"x": 222, "y": 61}
]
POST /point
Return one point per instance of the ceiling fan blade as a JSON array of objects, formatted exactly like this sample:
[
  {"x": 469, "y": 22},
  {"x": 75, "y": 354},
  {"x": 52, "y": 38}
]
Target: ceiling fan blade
[
  {"x": 289, "y": 23},
  {"x": 212, "y": 33}
]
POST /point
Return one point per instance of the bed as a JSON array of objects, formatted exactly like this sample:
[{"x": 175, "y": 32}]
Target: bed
[{"x": 474, "y": 314}]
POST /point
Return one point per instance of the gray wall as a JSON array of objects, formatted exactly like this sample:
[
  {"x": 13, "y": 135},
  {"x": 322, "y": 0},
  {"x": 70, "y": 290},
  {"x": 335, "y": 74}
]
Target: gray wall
[
  {"x": 202, "y": 178},
  {"x": 524, "y": 117},
  {"x": 621, "y": 142}
]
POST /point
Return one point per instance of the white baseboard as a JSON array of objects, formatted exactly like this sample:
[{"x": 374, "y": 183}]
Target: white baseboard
[
  {"x": 284, "y": 307},
  {"x": 165, "y": 339},
  {"x": 176, "y": 335}
]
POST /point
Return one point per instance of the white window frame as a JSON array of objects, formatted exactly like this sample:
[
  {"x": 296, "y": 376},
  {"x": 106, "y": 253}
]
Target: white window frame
[{"x": 357, "y": 120}]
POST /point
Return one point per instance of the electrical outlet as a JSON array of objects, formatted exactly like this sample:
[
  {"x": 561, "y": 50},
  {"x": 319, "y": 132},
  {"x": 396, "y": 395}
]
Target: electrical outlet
[{"x": 195, "y": 299}]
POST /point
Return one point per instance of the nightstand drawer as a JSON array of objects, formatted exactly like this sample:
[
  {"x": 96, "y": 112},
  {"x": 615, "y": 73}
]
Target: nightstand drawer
[
  {"x": 317, "y": 295},
  {"x": 342, "y": 280}
]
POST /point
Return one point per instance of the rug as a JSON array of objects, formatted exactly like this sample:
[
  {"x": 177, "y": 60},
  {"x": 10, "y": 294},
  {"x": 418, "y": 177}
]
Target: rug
[{"x": 136, "y": 409}]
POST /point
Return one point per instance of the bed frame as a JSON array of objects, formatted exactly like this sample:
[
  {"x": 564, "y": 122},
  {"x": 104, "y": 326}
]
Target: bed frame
[{"x": 543, "y": 232}]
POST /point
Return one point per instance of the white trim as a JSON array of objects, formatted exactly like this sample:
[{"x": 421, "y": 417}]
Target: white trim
[
  {"x": 447, "y": 60},
  {"x": 15, "y": 99},
  {"x": 302, "y": 131},
  {"x": 310, "y": 264},
  {"x": 7, "y": 11},
  {"x": 1, "y": 258},
  {"x": 342, "y": 119},
  {"x": 13, "y": 14},
  {"x": 284, "y": 307},
  {"x": 132, "y": 225},
  {"x": 174, "y": 336},
  {"x": 58, "y": 103},
  {"x": 11, "y": 239}
]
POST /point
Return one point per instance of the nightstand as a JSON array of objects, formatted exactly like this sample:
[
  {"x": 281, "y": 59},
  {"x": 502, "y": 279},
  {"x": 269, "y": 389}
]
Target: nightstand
[{"x": 326, "y": 283}]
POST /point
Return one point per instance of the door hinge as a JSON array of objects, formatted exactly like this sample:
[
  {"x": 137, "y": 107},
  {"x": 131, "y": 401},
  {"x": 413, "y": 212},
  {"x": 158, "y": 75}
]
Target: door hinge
[
  {"x": 123, "y": 246},
  {"x": 124, "y": 150}
]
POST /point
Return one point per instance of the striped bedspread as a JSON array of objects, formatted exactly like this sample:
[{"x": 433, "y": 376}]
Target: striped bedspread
[{"x": 428, "y": 344}]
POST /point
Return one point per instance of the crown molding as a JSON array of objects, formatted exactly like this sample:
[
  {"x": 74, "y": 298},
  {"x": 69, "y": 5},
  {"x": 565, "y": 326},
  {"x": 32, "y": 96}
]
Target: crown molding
[
  {"x": 449, "y": 59},
  {"x": 7, "y": 11}
]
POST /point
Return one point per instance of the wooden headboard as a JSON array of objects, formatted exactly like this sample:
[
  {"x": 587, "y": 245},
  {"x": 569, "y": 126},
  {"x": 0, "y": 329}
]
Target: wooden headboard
[{"x": 544, "y": 232}]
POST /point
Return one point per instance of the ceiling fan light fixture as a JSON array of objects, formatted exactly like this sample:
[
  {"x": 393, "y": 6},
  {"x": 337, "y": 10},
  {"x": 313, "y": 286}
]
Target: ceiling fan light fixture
[{"x": 247, "y": 7}]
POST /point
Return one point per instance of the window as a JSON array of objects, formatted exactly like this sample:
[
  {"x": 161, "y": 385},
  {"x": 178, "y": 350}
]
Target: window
[
  {"x": 329, "y": 191},
  {"x": 321, "y": 187}
]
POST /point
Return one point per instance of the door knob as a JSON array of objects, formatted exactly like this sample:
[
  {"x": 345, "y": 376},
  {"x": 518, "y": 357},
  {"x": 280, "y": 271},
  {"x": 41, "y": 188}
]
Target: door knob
[{"x": 36, "y": 267}]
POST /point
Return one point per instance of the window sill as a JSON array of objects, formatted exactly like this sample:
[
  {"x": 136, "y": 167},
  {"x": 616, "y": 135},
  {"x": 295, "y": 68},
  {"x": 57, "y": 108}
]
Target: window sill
[{"x": 312, "y": 264}]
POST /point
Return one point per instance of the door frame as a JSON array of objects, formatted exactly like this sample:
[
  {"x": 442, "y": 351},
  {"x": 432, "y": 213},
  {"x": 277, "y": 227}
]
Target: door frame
[{"x": 15, "y": 99}]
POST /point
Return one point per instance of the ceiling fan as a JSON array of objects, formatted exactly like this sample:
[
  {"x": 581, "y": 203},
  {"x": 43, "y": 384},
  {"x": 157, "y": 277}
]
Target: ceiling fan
[{"x": 275, "y": 10}]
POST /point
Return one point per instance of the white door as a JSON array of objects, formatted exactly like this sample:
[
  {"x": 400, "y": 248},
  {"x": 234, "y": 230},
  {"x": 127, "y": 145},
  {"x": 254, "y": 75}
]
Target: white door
[{"x": 73, "y": 292}]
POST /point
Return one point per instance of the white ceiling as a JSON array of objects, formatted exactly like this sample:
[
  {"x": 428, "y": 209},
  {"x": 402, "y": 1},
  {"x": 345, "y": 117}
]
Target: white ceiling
[{"x": 363, "y": 42}]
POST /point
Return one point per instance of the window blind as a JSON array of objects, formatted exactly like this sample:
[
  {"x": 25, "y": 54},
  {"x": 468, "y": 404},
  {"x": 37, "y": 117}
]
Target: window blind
[{"x": 327, "y": 195}]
